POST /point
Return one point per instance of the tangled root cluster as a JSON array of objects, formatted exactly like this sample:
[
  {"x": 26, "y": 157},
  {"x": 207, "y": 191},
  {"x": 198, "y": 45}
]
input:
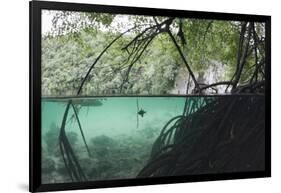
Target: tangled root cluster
[{"x": 214, "y": 135}]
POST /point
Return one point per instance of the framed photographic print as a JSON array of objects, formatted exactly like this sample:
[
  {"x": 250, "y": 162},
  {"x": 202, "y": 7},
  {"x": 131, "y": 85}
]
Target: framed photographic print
[{"x": 124, "y": 96}]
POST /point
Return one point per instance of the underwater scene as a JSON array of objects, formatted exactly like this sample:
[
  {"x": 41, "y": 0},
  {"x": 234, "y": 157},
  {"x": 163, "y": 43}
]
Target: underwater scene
[{"x": 108, "y": 138}]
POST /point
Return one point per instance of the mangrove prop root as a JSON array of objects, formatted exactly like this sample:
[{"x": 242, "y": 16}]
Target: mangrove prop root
[
  {"x": 221, "y": 134},
  {"x": 70, "y": 160},
  {"x": 80, "y": 128}
]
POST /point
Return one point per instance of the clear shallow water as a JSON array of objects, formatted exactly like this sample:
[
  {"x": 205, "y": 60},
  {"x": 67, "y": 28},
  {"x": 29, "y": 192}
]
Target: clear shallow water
[
  {"x": 119, "y": 138},
  {"x": 113, "y": 116},
  {"x": 120, "y": 132}
]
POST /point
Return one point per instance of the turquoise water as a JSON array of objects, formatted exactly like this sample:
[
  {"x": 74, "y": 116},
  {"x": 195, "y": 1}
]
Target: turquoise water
[
  {"x": 113, "y": 116},
  {"x": 123, "y": 136},
  {"x": 118, "y": 136}
]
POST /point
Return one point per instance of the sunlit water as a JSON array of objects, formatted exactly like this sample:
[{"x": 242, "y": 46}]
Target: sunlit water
[
  {"x": 113, "y": 116},
  {"x": 117, "y": 134}
]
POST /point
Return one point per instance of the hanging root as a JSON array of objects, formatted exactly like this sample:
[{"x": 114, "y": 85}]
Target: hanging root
[
  {"x": 214, "y": 135},
  {"x": 137, "y": 113}
]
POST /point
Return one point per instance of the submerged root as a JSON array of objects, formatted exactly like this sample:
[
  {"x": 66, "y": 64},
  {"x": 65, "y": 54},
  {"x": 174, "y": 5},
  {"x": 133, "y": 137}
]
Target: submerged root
[
  {"x": 70, "y": 160},
  {"x": 214, "y": 135}
]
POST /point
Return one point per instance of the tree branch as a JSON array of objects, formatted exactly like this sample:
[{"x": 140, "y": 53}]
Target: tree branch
[
  {"x": 184, "y": 60},
  {"x": 216, "y": 84},
  {"x": 243, "y": 55},
  {"x": 99, "y": 56}
]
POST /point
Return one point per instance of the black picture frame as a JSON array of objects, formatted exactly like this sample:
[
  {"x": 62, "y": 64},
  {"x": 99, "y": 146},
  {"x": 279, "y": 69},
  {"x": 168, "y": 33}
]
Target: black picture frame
[{"x": 35, "y": 8}]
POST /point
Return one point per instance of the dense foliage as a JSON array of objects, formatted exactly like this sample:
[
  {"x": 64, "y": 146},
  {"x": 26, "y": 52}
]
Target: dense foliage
[{"x": 146, "y": 59}]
